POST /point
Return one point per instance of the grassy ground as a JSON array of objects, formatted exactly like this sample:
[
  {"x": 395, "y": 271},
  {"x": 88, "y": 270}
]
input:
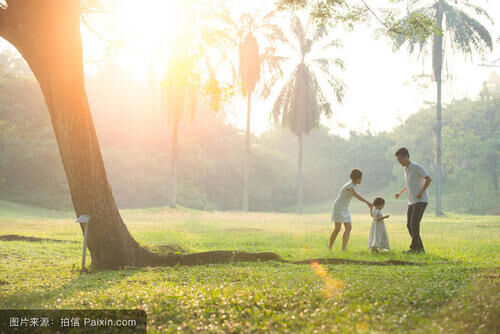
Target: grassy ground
[{"x": 456, "y": 289}]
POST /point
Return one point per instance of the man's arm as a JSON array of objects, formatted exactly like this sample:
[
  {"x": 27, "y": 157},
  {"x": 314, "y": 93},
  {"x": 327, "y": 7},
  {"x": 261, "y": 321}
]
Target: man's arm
[
  {"x": 428, "y": 181},
  {"x": 397, "y": 195}
]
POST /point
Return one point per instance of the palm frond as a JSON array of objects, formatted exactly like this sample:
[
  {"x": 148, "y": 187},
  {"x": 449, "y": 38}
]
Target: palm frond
[
  {"x": 325, "y": 106},
  {"x": 283, "y": 102},
  {"x": 301, "y": 101},
  {"x": 467, "y": 33},
  {"x": 225, "y": 17},
  {"x": 325, "y": 63},
  {"x": 320, "y": 32},
  {"x": 339, "y": 88},
  {"x": 272, "y": 32},
  {"x": 269, "y": 16},
  {"x": 306, "y": 48},
  {"x": 247, "y": 21},
  {"x": 271, "y": 70},
  {"x": 299, "y": 32},
  {"x": 477, "y": 10},
  {"x": 250, "y": 63},
  {"x": 279, "y": 102},
  {"x": 335, "y": 43}
]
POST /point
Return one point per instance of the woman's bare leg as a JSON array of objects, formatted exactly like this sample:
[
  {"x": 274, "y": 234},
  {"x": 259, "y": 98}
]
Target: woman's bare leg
[
  {"x": 335, "y": 232},
  {"x": 347, "y": 234}
]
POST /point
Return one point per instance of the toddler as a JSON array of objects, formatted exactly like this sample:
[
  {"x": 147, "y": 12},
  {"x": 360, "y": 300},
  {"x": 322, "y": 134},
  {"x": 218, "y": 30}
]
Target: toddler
[{"x": 378, "y": 240}]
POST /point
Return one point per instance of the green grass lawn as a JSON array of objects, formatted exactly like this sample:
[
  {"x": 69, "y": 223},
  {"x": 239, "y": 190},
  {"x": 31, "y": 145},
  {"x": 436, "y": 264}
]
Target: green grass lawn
[{"x": 456, "y": 289}]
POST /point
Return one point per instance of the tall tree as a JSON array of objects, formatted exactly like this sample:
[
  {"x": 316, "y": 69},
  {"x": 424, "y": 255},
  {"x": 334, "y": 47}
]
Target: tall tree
[
  {"x": 301, "y": 101},
  {"x": 252, "y": 62},
  {"x": 464, "y": 33},
  {"x": 47, "y": 34},
  {"x": 179, "y": 97}
]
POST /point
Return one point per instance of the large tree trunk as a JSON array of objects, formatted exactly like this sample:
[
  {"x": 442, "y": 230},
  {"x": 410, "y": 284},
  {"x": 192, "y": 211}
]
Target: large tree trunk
[
  {"x": 300, "y": 176},
  {"x": 437, "y": 62},
  {"x": 246, "y": 159},
  {"x": 47, "y": 34}
]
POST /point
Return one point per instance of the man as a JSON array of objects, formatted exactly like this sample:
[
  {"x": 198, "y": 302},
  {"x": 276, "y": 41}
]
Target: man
[{"x": 417, "y": 181}]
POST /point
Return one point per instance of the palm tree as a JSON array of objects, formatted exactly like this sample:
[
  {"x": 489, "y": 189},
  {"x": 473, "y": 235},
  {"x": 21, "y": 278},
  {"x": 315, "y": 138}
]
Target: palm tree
[
  {"x": 252, "y": 64},
  {"x": 178, "y": 98},
  {"x": 301, "y": 101},
  {"x": 184, "y": 82},
  {"x": 463, "y": 33}
]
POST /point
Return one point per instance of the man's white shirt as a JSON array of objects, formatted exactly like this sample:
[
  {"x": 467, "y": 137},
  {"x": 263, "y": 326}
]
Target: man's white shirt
[{"x": 415, "y": 180}]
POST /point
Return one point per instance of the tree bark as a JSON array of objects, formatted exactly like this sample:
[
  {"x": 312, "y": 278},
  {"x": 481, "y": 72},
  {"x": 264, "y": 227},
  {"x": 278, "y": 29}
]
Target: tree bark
[
  {"x": 246, "y": 159},
  {"x": 300, "y": 176},
  {"x": 437, "y": 55},
  {"x": 47, "y": 34}
]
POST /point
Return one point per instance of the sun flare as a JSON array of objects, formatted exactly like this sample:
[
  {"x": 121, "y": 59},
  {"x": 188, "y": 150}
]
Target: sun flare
[{"x": 150, "y": 32}]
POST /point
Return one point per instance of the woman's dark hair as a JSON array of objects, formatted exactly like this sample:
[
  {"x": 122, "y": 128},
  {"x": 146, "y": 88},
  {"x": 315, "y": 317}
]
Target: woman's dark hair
[
  {"x": 356, "y": 174},
  {"x": 378, "y": 201},
  {"x": 402, "y": 152}
]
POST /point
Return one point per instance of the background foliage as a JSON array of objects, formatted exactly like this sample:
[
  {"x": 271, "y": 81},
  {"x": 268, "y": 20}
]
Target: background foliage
[{"x": 134, "y": 139}]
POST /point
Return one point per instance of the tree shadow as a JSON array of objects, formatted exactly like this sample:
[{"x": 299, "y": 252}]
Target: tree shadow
[
  {"x": 88, "y": 282},
  {"x": 15, "y": 237}
]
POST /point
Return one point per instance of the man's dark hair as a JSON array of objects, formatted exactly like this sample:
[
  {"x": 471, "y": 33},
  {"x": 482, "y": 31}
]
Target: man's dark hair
[
  {"x": 378, "y": 201},
  {"x": 356, "y": 174},
  {"x": 402, "y": 152}
]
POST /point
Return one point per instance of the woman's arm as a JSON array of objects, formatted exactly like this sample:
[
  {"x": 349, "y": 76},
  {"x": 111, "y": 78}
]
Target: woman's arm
[{"x": 358, "y": 196}]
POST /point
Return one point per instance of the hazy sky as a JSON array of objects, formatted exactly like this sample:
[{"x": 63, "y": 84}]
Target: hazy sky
[
  {"x": 379, "y": 89},
  {"x": 379, "y": 92}
]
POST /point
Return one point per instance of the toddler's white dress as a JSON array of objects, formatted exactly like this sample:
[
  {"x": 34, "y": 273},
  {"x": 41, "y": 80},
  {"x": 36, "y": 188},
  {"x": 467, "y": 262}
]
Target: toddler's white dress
[{"x": 378, "y": 233}]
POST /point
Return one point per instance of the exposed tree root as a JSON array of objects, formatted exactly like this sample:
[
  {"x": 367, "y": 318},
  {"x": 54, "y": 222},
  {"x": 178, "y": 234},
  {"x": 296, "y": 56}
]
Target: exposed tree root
[
  {"x": 15, "y": 237},
  {"x": 155, "y": 259},
  {"x": 170, "y": 249},
  {"x": 147, "y": 258}
]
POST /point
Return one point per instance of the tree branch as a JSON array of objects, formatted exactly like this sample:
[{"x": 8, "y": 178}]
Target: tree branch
[{"x": 389, "y": 28}]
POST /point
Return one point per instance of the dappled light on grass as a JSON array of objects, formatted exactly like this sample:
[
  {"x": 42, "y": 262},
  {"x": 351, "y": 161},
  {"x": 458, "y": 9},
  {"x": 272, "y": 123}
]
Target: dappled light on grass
[
  {"x": 332, "y": 287},
  {"x": 265, "y": 296}
]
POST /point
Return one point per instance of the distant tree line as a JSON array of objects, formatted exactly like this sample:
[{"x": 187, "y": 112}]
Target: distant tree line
[{"x": 136, "y": 154}]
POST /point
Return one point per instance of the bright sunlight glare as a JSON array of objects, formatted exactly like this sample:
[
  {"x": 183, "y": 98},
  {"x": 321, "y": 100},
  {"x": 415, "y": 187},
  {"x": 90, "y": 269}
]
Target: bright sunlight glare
[{"x": 149, "y": 31}]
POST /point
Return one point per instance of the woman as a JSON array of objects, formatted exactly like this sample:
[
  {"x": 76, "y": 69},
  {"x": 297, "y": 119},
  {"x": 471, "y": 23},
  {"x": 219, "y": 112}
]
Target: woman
[{"x": 341, "y": 212}]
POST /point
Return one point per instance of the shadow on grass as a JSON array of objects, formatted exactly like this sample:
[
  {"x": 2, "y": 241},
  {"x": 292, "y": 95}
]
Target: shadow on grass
[
  {"x": 89, "y": 282},
  {"x": 390, "y": 262},
  {"x": 15, "y": 237},
  {"x": 173, "y": 255}
]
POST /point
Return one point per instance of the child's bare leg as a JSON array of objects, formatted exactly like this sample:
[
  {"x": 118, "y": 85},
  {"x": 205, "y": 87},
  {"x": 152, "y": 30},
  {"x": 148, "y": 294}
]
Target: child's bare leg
[
  {"x": 335, "y": 232},
  {"x": 345, "y": 237}
]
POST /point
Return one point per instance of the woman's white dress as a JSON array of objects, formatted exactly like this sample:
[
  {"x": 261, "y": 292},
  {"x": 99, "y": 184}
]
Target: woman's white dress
[
  {"x": 341, "y": 212},
  {"x": 378, "y": 233}
]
